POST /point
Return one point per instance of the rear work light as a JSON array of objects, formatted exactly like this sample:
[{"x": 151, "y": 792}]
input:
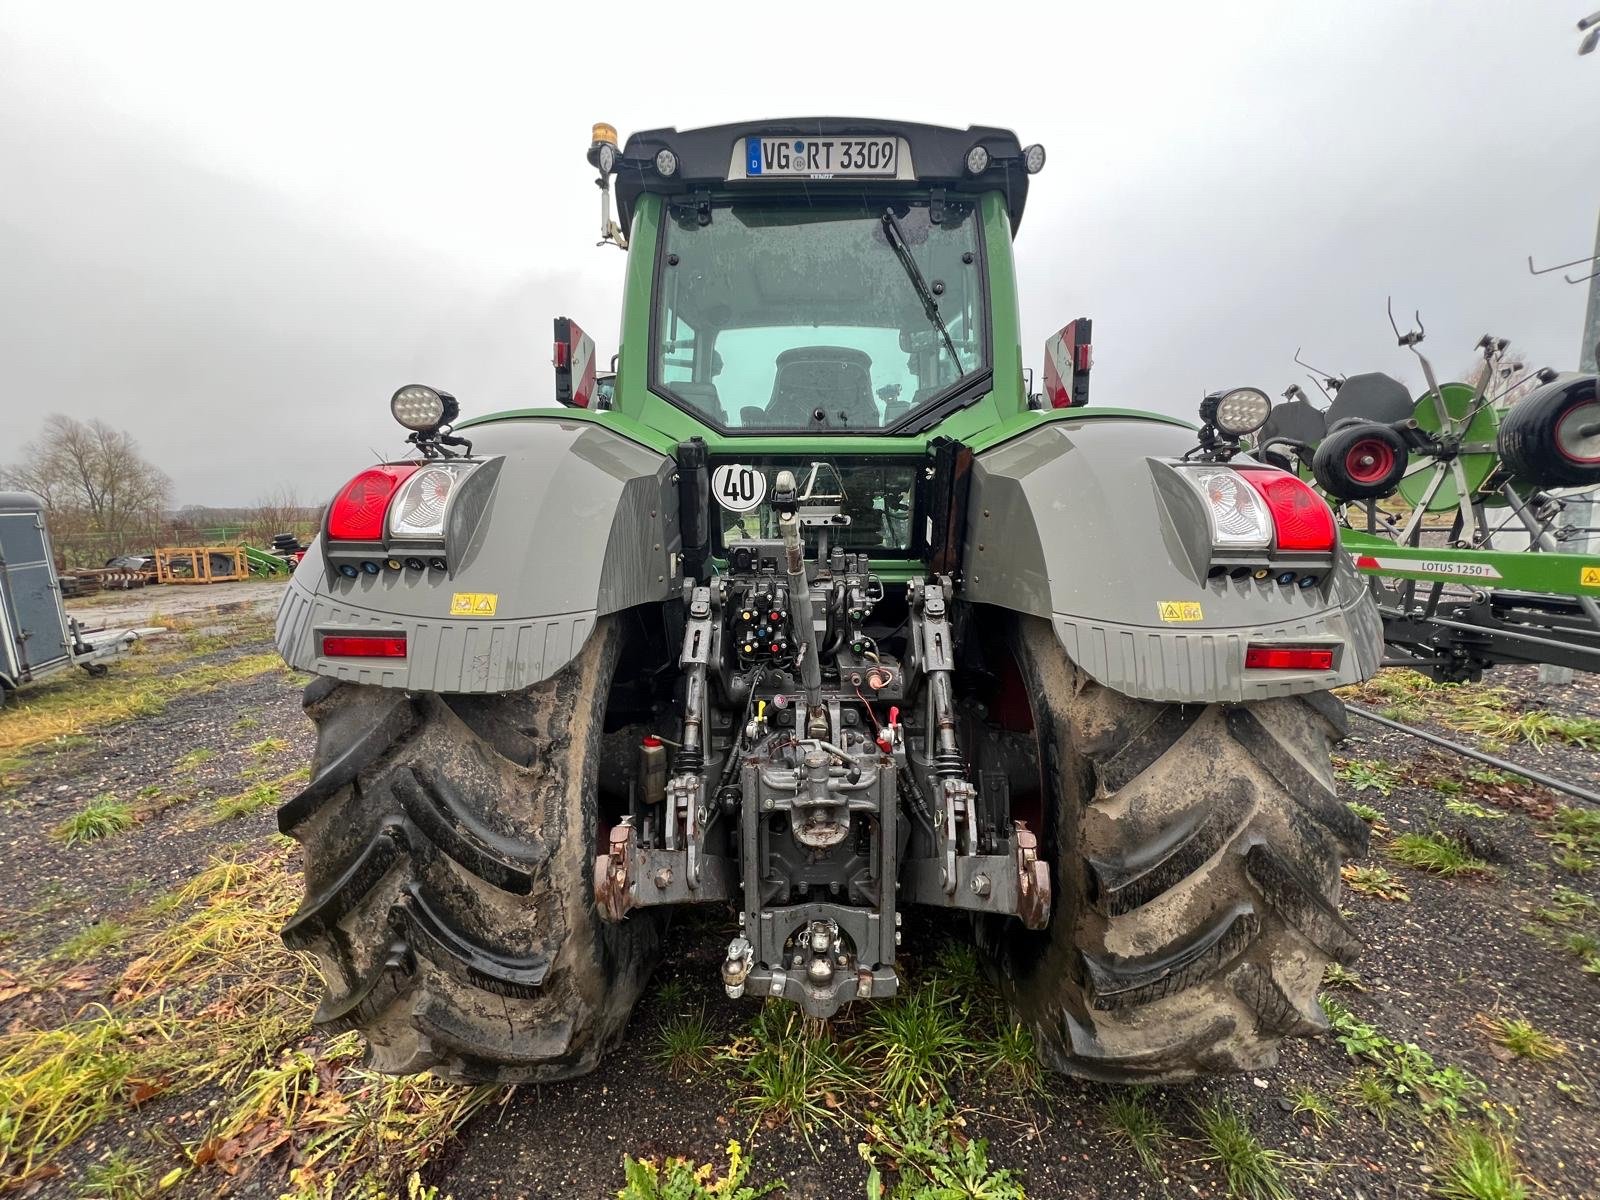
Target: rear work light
[
  {"x": 1304, "y": 521},
  {"x": 364, "y": 645},
  {"x": 1288, "y": 658},
  {"x": 419, "y": 506},
  {"x": 356, "y": 514}
]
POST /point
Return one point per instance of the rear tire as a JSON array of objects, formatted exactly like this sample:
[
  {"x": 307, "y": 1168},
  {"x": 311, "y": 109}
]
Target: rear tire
[
  {"x": 1196, "y": 851},
  {"x": 449, "y": 848}
]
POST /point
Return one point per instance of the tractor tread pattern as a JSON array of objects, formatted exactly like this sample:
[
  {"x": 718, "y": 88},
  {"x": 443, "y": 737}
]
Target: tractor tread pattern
[{"x": 1125, "y": 983}]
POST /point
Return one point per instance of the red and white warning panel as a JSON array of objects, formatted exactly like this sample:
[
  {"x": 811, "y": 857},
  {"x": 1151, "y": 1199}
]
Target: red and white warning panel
[{"x": 574, "y": 362}]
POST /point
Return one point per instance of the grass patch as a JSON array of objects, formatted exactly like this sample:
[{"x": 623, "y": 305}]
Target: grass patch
[
  {"x": 1316, "y": 1108},
  {"x": 100, "y": 818},
  {"x": 269, "y": 746},
  {"x": 1008, "y": 1057},
  {"x": 686, "y": 1044},
  {"x": 73, "y": 705},
  {"x": 1129, "y": 1118},
  {"x": 245, "y": 803},
  {"x": 794, "y": 1073},
  {"x": 1477, "y": 1164},
  {"x": 1522, "y": 1038},
  {"x": 1378, "y": 882},
  {"x": 1365, "y": 811},
  {"x": 56, "y": 1084},
  {"x": 117, "y": 1176},
  {"x": 915, "y": 1043},
  {"x": 191, "y": 760},
  {"x": 1472, "y": 810},
  {"x": 683, "y": 1179},
  {"x": 91, "y": 940},
  {"x": 1251, "y": 1171},
  {"x": 1436, "y": 853}
]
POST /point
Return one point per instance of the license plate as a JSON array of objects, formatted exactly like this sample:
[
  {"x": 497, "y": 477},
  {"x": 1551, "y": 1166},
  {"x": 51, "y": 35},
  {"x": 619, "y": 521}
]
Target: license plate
[{"x": 821, "y": 158}]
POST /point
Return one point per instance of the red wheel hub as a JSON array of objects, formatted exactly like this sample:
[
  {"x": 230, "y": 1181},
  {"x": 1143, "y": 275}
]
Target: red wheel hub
[{"x": 1369, "y": 460}]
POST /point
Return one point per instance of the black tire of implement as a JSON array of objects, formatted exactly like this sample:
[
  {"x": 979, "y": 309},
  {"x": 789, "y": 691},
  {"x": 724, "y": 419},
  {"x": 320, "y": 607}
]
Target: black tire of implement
[
  {"x": 1328, "y": 463},
  {"x": 1527, "y": 441},
  {"x": 1196, "y": 852},
  {"x": 449, "y": 849}
]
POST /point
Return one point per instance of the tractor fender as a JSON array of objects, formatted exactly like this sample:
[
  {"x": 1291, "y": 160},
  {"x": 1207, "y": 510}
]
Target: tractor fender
[
  {"x": 1087, "y": 524},
  {"x": 580, "y": 522}
]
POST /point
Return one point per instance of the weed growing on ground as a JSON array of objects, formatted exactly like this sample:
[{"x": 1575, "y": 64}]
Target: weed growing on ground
[
  {"x": 1128, "y": 1117},
  {"x": 1378, "y": 882},
  {"x": 1375, "y": 1094},
  {"x": 1368, "y": 774},
  {"x": 1477, "y": 812},
  {"x": 247, "y": 802},
  {"x": 1365, "y": 811},
  {"x": 672, "y": 994},
  {"x": 686, "y": 1044},
  {"x": 102, "y": 817},
  {"x": 1522, "y": 1038},
  {"x": 1337, "y": 975},
  {"x": 682, "y": 1179},
  {"x": 269, "y": 746},
  {"x": 194, "y": 758},
  {"x": 117, "y": 1176},
  {"x": 1008, "y": 1057},
  {"x": 1436, "y": 853},
  {"x": 1581, "y": 943},
  {"x": 1252, "y": 1171},
  {"x": 1477, "y": 1164},
  {"x": 1404, "y": 1069},
  {"x": 930, "y": 1160},
  {"x": 1576, "y": 838}
]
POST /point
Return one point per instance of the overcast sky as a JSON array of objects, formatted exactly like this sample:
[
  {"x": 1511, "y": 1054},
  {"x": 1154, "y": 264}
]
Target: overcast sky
[{"x": 235, "y": 229}]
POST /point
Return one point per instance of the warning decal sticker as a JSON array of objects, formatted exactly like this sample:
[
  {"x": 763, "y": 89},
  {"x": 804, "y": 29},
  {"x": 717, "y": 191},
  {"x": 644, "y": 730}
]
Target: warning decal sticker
[
  {"x": 1179, "y": 610},
  {"x": 474, "y": 604}
]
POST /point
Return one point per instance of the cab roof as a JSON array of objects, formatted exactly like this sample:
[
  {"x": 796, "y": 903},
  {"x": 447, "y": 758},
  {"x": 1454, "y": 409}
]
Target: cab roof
[{"x": 937, "y": 158}]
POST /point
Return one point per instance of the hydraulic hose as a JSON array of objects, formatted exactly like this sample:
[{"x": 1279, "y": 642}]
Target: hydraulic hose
[{"x": 785, "y": 502}]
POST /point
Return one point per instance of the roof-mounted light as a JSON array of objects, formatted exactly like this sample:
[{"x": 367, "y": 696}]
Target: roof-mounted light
[
  {"x": 666, "y": 163},
  {"x": 977, "y": 160},
  {"x": 1033, "y": 159},
  {"x": 422, "y": 408},
  {"x": 603, "y": 147}
]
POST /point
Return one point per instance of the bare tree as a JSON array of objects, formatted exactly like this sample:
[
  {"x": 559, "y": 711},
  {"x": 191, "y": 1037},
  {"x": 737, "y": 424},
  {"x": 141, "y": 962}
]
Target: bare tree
[
  {"x": 91, "y": 475},
  {"x": 1512, "y": 376}
]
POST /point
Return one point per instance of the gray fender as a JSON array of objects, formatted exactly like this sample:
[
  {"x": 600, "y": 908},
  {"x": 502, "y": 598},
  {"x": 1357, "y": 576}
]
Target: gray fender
[
  {"x": 581, "y": 522},
  {"x": 1084, "y": 524}
]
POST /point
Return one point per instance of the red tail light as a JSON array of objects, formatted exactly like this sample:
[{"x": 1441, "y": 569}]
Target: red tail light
[
  {"x": 1288, "y": 658},
  {"x": 364, "y": 645},
  {"x": 1303, "y": 519},
  {"x": 356, "y": 514}
]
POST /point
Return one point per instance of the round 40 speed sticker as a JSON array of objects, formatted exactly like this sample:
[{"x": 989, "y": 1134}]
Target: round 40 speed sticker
[{"x": 738, "y": 487}]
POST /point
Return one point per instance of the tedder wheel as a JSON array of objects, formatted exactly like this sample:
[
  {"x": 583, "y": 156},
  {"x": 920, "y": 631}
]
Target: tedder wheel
[
  {"x": 1360, "y": 461},
  {"x": 449, "y": 848},
  {"x": 1551, "y": 438},
  {"x": 1197, "y": 851}
]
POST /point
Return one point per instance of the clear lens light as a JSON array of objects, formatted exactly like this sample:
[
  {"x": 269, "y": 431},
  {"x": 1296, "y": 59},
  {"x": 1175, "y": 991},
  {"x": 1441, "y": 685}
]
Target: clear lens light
[
  {"x": 1242, "y": 411},
  {"x": 419, "y": 508},
  {"x": 608, "y": 158},
  {"x": 666, "y": 162},
  {"x": 977, "y": 160},
  {"x": 418, "y": 407},
  {"x": 1033, "y": 158},
  {"x": 1238, "y": 516}
]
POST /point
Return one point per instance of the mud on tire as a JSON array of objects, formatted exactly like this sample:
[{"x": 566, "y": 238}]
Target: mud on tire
[
  {"x": 449, "y": 843},
  {"x": 1197, "y": 851}
]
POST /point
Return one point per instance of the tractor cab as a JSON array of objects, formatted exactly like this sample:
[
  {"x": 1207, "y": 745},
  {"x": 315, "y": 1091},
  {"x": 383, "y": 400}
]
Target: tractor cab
[{"x": 816, "y": 277}]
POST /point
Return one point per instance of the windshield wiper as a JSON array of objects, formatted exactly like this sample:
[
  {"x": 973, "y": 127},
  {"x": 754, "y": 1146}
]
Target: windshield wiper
[{"x": 897, "y": 242}]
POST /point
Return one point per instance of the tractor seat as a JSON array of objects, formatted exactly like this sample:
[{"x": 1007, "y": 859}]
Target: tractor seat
[
  {"x": 703, "y": 398},
  {"x": 835, "y": 379}
]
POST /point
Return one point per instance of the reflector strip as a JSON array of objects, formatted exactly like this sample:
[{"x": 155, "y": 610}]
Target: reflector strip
[
  {"x": 364, "y": 645},
  {"x": 1288, "y": 658}
]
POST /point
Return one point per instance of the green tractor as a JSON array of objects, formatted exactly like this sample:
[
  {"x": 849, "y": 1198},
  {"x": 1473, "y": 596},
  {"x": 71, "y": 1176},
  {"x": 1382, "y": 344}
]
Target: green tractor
[{"x": 819, "y": 618}]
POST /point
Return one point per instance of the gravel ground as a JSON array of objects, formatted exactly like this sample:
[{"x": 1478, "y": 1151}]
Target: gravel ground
[{"x": 1433, "y": 964}]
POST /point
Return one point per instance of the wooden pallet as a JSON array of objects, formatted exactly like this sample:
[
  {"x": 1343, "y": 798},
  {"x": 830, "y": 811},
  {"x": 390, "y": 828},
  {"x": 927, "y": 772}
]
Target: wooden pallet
[{"x": 201, "y": 564}]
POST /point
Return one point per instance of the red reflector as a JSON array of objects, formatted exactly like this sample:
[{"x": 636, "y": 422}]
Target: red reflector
[
  {"x": 563, "y": 354},
  {"x": 1288, "y": 658},
  {"x": 1303, "y": 519},
  {"x": 362, "y": 645},
  {"x": 1366, "y": 563},
  {"x": 356, "y": 514}
]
